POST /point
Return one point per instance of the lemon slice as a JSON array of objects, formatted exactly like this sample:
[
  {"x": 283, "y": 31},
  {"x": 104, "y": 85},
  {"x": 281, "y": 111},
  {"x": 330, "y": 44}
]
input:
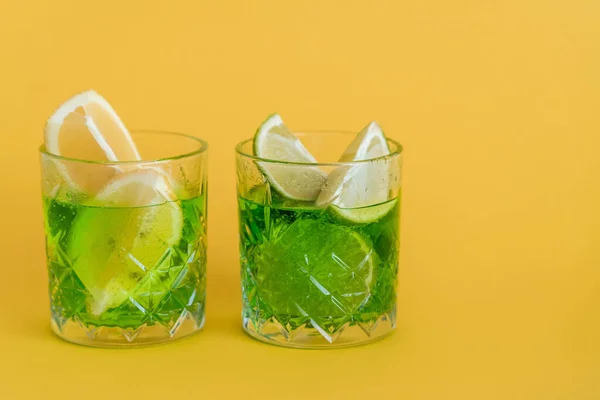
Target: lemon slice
[
  {"x": 122, "y": 234},
  {"x": 274, "y": 141},
  {"x": 359, "y": 192},
  {"x": 86, "y": 127}
]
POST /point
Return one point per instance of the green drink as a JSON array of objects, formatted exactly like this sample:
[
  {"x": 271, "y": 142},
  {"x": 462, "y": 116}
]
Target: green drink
[
  {"x": 126, "y": 267},
  {"x": 319, "y": 258},
  {"x": 126, "y": 244},
  {"x": 125, "y": 227},
  {"x": 310, "y": 268}
]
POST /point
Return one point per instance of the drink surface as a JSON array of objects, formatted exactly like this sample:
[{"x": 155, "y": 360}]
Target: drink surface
[
  {"x": 121, "y": 267},
  {"x": 309, "y": 267}
]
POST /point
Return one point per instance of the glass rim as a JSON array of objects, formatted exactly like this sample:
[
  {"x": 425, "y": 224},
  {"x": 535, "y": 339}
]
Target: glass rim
[
  {"x": 203, "y": 147},
  {"x": 395, "y": 153}
]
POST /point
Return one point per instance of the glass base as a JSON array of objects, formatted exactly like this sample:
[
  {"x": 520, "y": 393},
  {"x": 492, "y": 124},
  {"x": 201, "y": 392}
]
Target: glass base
[
  {"x": 309, "y": 337},
  {"x": 104, "y": 336}
]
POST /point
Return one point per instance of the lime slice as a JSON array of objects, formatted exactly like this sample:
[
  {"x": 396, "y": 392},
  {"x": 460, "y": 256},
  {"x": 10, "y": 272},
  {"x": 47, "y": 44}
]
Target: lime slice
[
  {"x": 368, "y": 144},
  {"x": 274, "y": 141},
  {"x": 123, "y": 234},
  {"x": 358, "y": 192},
  {"x": 365, "y": 215},
  {"x": 315, "y": 268}
]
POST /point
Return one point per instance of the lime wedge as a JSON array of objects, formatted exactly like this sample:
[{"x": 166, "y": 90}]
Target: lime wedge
[
  {"x": 364, "y": 215},
  {"x": 351, "y": 189},
  {"x": 123, "y": 234},
  {"x": 368, "y": 144},
  {"x": 274, "y": 141}
]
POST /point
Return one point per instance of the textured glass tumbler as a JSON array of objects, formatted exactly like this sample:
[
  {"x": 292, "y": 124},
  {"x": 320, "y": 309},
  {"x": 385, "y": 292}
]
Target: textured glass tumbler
[
  {"x": 319, "y": 274},
  {"x": 126, "y": 242}
]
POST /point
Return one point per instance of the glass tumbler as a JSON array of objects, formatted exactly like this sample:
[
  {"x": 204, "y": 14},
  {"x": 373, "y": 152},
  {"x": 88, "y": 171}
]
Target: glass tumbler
[
  {"x": 126, "y": 242},
  {"x": 318, "y": 275}
]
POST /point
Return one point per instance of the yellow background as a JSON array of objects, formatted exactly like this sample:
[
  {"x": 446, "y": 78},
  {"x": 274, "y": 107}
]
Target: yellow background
[{"x": 496, "y": 103}]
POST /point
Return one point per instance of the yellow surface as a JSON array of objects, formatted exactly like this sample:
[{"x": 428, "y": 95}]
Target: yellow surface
[{"x": 497, "y": 104}]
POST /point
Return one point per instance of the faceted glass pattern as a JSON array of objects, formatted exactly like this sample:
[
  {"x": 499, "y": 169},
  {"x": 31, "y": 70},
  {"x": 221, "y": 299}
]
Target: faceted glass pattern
[
  {"x": 308, "y": 280},
  {"x": 168, "y": 302},
  {"x": 126, "y": 256},
  {"x": 316, "y": 276}
]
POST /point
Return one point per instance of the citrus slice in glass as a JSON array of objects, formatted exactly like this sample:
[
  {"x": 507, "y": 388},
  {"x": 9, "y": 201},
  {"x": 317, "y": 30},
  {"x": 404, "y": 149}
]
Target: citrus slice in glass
[
  {"x": 86, "y": 127},
  {"x": 352, "y": 189},
  {"x": 122, "y": 234},
  {"x": 316, "y": 268},
  {"x": 274, "y": 141}
]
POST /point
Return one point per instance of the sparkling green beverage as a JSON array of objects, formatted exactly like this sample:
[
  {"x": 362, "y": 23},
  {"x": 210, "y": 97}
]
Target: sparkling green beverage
[
  {"x": 126, "y": 242},
  {"x": 111, "y": 267},
  {"x": 309, "y": 268},
  {"x": 319, "y": 240}
]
